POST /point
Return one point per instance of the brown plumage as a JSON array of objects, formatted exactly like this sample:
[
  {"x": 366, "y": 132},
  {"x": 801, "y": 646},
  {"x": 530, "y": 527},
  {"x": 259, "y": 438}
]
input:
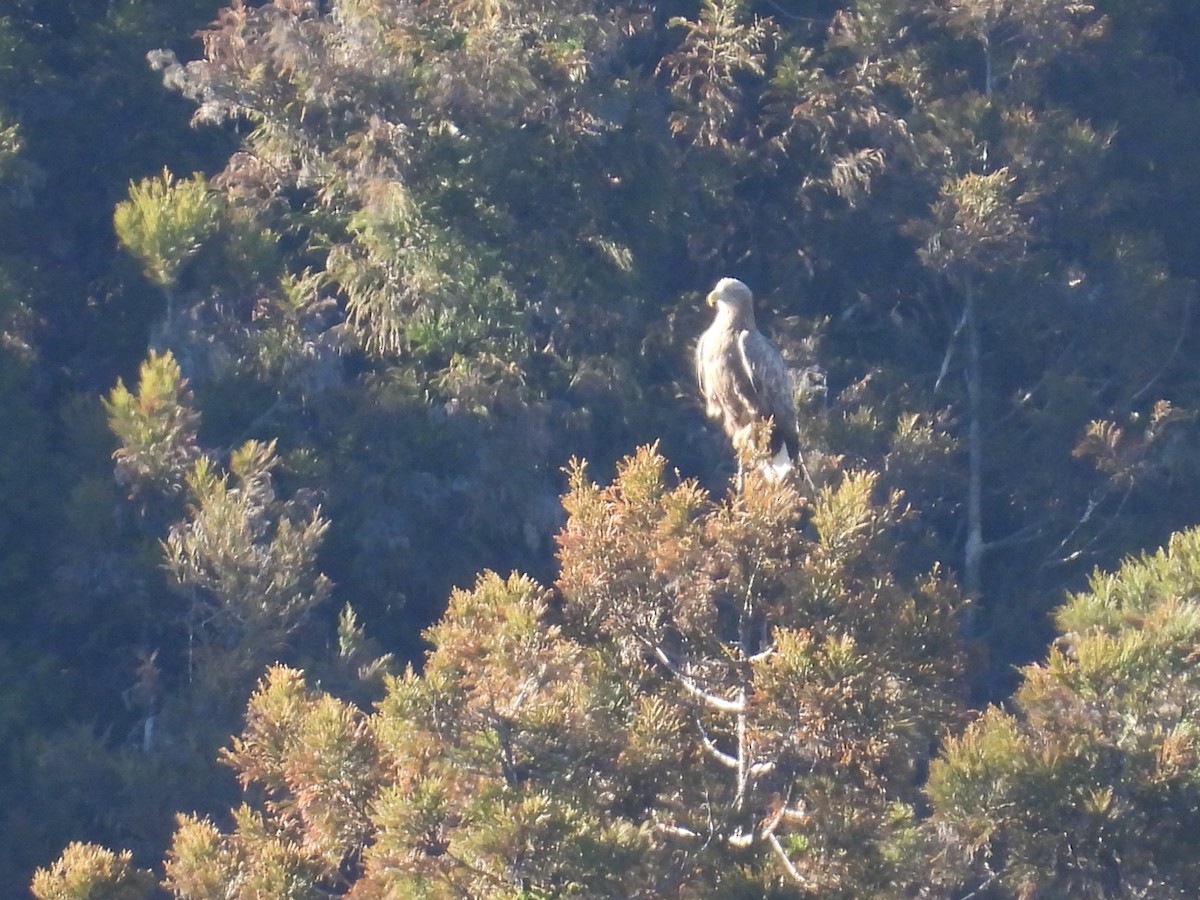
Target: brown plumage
[{"x": 742, "y": 376}]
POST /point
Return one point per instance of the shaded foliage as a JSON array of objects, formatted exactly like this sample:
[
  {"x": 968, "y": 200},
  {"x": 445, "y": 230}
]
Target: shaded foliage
[{"x": 459, "y": 243}]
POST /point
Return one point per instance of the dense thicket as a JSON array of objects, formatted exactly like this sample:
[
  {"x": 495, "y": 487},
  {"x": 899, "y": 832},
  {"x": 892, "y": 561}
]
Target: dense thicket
[
  {"x": 80, "y": 115},
  {"x": 346, "y": 332}
]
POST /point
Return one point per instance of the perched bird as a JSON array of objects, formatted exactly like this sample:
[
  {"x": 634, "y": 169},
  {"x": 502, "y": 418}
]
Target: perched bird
[{"x": 744, "y": 380}]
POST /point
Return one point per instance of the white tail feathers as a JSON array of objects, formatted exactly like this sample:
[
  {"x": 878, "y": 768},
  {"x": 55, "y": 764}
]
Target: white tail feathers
[
  {"x": 781, "y": 465},
  {"x": 777, "y": 468}
]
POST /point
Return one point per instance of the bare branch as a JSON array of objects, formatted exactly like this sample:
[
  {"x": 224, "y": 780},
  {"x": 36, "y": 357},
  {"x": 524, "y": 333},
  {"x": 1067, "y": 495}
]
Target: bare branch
[
  {"x": 712, "y": 700},
  {"x": 784, "y": 813},
  {"x": 714, "y": 751},
  {"x": 743, "y": 749},
  {"x": 677, "y": 831},
  {"x": 787, "y": 863},
  {"x": 765, "y": 653},
  {"x": 983, "y": 887},
  {"x": 950, "y": 351}
]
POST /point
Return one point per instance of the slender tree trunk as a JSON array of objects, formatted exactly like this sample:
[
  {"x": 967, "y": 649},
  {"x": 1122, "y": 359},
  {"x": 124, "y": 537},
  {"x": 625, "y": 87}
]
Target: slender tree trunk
[
  {"x": 973, "y": 554},
  {"x": 987, "y": 62}
]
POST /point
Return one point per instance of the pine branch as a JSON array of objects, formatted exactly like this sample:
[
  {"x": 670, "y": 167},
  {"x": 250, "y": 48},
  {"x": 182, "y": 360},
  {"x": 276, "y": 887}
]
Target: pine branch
[{"x": 712, "y": 700}]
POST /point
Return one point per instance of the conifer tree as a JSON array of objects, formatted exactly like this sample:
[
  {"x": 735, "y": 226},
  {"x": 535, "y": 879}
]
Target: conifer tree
[
  {"x": 1088, "y": 786},
  {"x": 242, "y": 560},
  {"x": 461, "y": 241},
  {"x": 220, "y": 580},
  {"x": 483, "y": 197},
  {"x": 808, "y": 676},
  {"x": 87, "y": 872},
  {"x": 156, "y": 428},
  {"x": 164, "y": 223},
  {"x": 719, "y": 697},
  {"x": 245, "y": 564}
]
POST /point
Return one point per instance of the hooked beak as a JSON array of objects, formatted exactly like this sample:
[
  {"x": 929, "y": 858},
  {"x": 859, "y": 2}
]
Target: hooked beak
[{"x": 711, "y": 299}]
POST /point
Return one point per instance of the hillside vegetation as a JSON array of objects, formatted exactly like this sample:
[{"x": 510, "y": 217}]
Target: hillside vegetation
[{"x": 319, "y": 318}]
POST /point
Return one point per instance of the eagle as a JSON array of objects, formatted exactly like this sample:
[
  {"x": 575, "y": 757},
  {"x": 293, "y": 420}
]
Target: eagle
[{"x": 744, "y": 380}]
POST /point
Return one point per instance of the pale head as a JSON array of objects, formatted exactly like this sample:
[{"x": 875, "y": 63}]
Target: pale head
[{"x": 732, "y": 297}]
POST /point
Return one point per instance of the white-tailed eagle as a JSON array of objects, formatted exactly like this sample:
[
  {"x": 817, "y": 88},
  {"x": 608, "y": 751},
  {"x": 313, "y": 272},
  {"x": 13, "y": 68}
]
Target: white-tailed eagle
[{"x": 744, "y": 379}]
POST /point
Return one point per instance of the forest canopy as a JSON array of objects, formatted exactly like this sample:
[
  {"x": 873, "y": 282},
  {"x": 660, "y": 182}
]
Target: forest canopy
[{"x": 312, "y": 312}]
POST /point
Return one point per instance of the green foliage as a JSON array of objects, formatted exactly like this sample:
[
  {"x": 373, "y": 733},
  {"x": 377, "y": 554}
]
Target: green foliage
[
  {"x": 245, "y": 564},
  {"x": 10, "y": 146},
  {"x": 418, "y": 257},
  {"x": 357, "y": 652},
  {"x": 315, "y": 757},
  {"x": 715, "y": 699},
  {"x": 316, "y": 760},
  {"x": 1090, "y": 787},
  {"x": 717, "y": 49},
  {"x": 258, "y": 862},
  {"x": 412, "y": 288},
  {"x": 462, "y": 241},
  {"x": 977, "y": 224},
  {"x": 1013, "y": 37},
  {"x": 500, "y": 749},
  {"x": 197, "y": 864},
  {"x": 88, "y": 872},
  {"x": 157, "y": 429},
  {"x": 786, "y": 649},
  {"x": 165, "y": 222}
]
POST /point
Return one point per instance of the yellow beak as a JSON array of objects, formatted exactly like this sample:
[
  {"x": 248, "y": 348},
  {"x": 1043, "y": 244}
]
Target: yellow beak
[{"x": 711, "y": 299}]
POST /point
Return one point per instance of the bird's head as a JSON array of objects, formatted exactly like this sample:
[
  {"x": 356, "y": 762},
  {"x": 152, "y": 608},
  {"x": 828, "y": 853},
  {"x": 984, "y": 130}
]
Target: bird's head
[{"x": 729, "y": 292}]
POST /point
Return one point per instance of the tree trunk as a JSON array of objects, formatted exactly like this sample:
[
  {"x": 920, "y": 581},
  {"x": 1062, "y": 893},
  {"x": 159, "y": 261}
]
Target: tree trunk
[{"x": 973, "y": 553}]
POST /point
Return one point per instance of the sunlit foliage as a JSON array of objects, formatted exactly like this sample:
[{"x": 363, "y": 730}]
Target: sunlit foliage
[
  {"x": 156, "y": 427},
  {"x": 88, "y": 872},
  {"x": 717, "y": 694},
  {"x": 448, "y": 246},
  {"x": 245, "y": 563},
  {"x": 165, "y": 222},
  {"x": 1089, "y": 786}
]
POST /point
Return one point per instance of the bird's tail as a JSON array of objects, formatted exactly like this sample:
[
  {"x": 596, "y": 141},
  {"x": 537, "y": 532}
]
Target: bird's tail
[
  {"x": 777, "y": 467},
  {"x": 771, "y": 450}
]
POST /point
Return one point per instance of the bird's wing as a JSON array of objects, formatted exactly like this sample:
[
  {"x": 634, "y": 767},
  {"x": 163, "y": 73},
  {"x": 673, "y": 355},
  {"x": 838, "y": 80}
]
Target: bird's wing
[
  {"x": 741, "y": 372},
  {"x": 770, "y": 380},
  {"x": 702, "y": 364},
  {"x": 708, "y": 373}
]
